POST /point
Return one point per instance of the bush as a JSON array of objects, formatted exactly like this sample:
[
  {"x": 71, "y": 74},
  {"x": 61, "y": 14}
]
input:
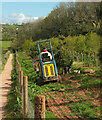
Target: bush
[
  {"x": 27, "y": 66},
  {"x": 82, "y": 48}
]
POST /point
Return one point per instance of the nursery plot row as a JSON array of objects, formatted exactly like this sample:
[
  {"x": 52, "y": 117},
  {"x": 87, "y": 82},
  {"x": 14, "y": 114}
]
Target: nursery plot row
[{"x": 77, "y": 97}]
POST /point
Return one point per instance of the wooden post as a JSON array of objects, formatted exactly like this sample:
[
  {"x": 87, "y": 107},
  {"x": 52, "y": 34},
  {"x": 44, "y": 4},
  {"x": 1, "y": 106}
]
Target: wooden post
[
  {"x": 25, "y": 96},
  {"x": 21, "y": 81},
  {"x": 16, "y": 61},
  {"x": 21, "y": 86},
  {"x": 39, "y": 107},
  {"x": 19, "y": 69}
]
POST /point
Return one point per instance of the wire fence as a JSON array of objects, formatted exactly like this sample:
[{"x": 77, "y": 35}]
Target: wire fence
[{"x": 29, "y": 111}]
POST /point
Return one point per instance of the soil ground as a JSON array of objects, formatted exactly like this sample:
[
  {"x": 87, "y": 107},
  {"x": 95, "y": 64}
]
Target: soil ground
[
  {"x": 60, "y": 102},
  {"x": 5, "y": 85}
]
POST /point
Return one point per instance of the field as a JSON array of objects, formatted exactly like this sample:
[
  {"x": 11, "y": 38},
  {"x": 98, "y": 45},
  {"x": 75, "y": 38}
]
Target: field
[
  {"x": 77, "y": 97},
  {"x": 4, "y": 52},
  {"x": 5, "y": 44}
]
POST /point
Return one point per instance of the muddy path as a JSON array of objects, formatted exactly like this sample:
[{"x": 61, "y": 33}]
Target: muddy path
[{"x": 5, "y": 85}]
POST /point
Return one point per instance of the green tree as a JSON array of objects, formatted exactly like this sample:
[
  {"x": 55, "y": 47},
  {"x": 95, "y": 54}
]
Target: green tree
[
  {"x": 63, "y": 59},
  {"x": 99, "y": 31}
]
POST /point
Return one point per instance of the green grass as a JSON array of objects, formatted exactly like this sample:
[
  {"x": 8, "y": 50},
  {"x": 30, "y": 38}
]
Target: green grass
[
  {"x": 50, "y": 115},
  {"x": 85, "y": 110},
  {"x": 4, "y": 62},
  {"x": 5, "y": 44},
  {"x": 27, "y": 66}
]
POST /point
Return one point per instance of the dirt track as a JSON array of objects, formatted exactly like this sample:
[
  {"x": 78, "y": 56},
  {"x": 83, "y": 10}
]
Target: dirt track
[{"x": 5, "y": 85}]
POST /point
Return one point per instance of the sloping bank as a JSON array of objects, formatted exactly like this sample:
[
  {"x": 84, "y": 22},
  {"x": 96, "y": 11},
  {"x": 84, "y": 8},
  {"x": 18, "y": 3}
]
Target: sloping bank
[{"x": 33, "y": 89}]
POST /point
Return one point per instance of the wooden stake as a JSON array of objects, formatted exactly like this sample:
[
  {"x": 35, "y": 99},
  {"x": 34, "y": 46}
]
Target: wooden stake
[
  {"x": 19, "y": 69},
  {"x": 21, "y": 81},
  {"x": 21, "y": 86},
  {"x": 25, "y": 96},
  {"x": 39, "y": 107}
]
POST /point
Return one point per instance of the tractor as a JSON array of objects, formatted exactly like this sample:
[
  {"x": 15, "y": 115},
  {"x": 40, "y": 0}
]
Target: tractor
[{"x": 45, "y": 66}]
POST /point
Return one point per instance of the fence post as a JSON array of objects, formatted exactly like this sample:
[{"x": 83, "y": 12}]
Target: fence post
[
  {"x": 19, "y": 69},
  {"x": 39, "y": 107},
  {"x": 21, "y": 80},
  {"x": 16, "y": 60},
  {"x": 21, "y": 86},
  {"x": 25, "y": 96}
]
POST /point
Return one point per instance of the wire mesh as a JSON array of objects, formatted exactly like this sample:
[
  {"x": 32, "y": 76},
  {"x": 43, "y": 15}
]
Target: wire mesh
[{"x": 30, "y": 109}]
